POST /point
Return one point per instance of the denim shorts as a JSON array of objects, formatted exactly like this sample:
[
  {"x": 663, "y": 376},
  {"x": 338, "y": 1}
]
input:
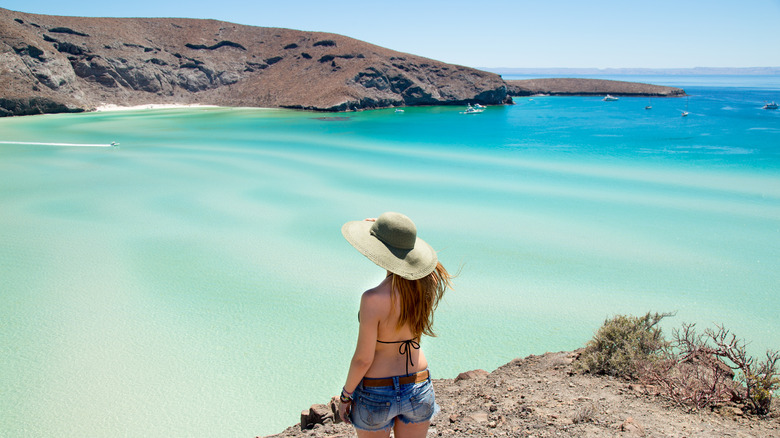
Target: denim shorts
[{"x": 376, "y": 408}]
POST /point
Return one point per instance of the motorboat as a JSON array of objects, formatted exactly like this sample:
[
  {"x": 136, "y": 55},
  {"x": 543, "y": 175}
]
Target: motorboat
[
  {"x": 471, "y": 110},
  {"x": 770, "y": 105},
  {"x": 609, "y": 98},
  {"x": 399, "y": 110}
]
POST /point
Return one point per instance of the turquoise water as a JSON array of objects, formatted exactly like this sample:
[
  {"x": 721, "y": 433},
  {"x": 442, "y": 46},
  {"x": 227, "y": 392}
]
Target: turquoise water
[{"x": 193, "y": 281}]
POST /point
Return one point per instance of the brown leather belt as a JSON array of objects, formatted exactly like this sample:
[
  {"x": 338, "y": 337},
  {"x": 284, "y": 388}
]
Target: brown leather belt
[{"x": 388, "y": 381}]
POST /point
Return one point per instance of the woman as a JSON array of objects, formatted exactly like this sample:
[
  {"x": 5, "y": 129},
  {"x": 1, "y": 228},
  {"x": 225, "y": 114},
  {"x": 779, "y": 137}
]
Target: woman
[{"x": 388, "y": 385}]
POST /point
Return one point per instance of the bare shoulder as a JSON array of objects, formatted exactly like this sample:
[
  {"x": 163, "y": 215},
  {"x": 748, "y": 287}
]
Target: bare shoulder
[{"x": 376, "y": 300}]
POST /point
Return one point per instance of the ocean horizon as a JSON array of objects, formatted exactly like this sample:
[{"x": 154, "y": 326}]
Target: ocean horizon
[{"x": 192, "y": 280}]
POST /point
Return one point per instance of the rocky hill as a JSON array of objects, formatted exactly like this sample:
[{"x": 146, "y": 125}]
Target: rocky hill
[
  {"x": 55, "y": 64},
  {"x": 52, "y": 64},
  {"x": 542, "y": 396},
  {"x": 588, "y": 87}
]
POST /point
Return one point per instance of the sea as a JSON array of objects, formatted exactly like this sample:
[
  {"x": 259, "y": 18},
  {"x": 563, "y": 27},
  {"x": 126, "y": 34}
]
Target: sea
[{"x": 191, "y": 280}]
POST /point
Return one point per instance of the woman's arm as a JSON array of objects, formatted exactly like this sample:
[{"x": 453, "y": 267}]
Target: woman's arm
[
  {"x": 370, "y": 311},
  {"x": 366, "y": 342}
]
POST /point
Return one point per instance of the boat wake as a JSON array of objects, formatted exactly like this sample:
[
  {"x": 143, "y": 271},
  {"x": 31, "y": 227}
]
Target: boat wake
[{"x": 83, "y": 145}]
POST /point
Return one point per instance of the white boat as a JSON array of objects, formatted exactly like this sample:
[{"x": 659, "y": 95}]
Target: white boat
[
  {"x": 399, "y": 110},
  {"x": 609, "y": 98},
  {"x": 471, "y": 110},
  {"x": 685, "y": 113},
  {"x": 770, "y": 105}
]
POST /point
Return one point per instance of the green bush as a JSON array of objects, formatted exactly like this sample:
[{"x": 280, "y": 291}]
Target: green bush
[{"x": 622, "y": 344}]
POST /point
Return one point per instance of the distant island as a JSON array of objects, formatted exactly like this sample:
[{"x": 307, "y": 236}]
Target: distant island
[
  {"x": 587, "y": 87},
  {"x": 54, "y": 64},
  {"x": 695, "y": 71}
]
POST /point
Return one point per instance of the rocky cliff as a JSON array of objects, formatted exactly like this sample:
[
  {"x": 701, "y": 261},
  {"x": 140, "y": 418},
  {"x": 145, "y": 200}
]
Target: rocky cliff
[{"x": 56, "y": 64}]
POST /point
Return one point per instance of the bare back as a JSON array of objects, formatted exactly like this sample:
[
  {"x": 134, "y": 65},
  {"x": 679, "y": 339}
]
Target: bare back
[{"x": 392, "y": 357}]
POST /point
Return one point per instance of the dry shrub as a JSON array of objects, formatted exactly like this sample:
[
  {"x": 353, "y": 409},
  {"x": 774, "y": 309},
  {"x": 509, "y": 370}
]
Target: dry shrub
[
  {"x": 758, "y": 379},
  {"x": 698, "y": 370},
  {"x": 690, "y": 383}
]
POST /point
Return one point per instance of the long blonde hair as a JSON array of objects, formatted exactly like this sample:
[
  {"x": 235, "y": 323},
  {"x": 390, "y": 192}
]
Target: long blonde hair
[{"x": 419, "y": 298}]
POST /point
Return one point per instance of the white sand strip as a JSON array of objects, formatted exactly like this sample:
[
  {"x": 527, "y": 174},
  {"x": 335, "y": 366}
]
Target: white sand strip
[{"x": 113, "y": 107}]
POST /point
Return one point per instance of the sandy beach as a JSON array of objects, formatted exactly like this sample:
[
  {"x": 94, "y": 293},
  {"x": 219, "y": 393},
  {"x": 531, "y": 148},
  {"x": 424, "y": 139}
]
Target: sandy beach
[{"x": 150, "y": 106}]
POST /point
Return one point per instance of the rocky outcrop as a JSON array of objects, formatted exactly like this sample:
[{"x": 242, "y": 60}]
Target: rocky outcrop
[
  {"x": 587, "y": 87},
  {"x": 321, "y": 414},
  {"x": 80, "y": 63},
  {"x": 543, "y": 396},
  {"x": 34, "y": 105}
]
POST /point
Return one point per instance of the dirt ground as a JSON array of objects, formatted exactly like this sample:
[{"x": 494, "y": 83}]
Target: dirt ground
[{"x": 540, "y": 396}]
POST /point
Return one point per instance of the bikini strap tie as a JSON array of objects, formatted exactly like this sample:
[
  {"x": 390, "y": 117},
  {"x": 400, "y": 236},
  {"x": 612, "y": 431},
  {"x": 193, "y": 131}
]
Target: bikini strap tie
[{"x": 405, "y": 349}]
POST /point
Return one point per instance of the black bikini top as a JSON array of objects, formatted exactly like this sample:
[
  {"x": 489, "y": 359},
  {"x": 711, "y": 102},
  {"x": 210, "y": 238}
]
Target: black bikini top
[{"x": 405, "y": 348}]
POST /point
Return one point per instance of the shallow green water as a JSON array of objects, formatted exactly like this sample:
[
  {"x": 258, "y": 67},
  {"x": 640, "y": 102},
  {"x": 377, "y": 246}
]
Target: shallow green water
[{"x": 193, "y": 280}]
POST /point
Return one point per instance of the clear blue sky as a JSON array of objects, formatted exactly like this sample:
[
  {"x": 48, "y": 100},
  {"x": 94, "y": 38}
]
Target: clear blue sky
[{"x": 501, "y": 33}]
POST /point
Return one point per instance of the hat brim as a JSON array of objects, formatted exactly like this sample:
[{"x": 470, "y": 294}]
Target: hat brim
[{"x": 411, "y": 264}]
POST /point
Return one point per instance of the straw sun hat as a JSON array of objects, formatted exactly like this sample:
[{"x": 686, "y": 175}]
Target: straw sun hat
[{"x": 392, "y": 243}]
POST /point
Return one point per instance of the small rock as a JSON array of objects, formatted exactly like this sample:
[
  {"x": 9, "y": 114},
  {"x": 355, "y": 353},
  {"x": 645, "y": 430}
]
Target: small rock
[
  {"x": 334, "y": 409},
  {"x": 631, "y": 426},
  {"x": 731, "y": 411},
  {"x": 473, "y": 374},
  {"x": 315, "y": 416},
  {"x": 478, "y": 417}
]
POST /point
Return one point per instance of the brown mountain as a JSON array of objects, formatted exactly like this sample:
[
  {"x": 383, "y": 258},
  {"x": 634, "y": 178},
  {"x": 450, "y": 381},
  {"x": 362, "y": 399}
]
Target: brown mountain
[{"x": 55, "y": 64}]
